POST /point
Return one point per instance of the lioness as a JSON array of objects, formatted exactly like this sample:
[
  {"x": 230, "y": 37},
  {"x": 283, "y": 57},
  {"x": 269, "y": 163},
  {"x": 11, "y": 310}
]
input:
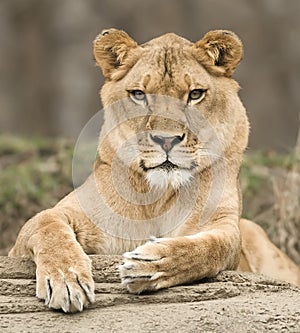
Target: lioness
[{"x": 165, "y": 186}]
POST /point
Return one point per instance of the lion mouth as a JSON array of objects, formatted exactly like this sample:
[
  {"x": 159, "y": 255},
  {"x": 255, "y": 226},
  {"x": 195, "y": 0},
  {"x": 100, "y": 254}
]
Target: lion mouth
[{"x": 166, "y": 165}]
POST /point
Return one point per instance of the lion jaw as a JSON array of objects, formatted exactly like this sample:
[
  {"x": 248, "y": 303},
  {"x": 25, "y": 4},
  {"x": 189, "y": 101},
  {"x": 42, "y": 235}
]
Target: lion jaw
[{"x": 161, "y": 178}]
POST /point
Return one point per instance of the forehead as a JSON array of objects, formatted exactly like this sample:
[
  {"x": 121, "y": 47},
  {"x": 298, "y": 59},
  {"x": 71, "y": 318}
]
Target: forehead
[{"x": 167, "y": 65}]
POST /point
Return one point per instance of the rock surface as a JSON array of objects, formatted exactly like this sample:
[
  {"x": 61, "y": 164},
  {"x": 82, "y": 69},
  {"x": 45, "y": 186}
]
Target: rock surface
[{"x": 231, "y": 302}]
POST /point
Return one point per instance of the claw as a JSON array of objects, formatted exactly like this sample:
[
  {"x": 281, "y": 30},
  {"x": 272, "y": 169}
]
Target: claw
[
  {"x": 138, "y": 256},
  {"x": 133, "y": 279},
  {"x": 131, "y": 255},
  {"x": 88, "y": 290},
  {"x": 78, "y": 305},
  {"x": 49, "y": 292},
  {"x": 125, "y": 267},
  {"x": 66, "y": 305},
  {"x": 126, "y": 281}
]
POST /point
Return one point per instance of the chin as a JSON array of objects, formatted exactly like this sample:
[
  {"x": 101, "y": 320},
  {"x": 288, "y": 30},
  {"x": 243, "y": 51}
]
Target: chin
[{"x": 160, "y": 178}]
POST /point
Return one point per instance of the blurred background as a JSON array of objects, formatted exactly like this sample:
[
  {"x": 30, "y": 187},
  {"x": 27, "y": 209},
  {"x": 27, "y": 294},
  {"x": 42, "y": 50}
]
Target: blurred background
[
  {"x": 49, "y": 84},
  {"x": 49, "y": 89}
]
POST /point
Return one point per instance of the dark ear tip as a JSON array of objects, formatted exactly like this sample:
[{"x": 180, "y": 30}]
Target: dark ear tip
[
  {"x": 229, "y": 33},
  {"x": 104, "y": 33},
  {"x": 220, "y": 33},
  {"x": 107, "y": 31}
]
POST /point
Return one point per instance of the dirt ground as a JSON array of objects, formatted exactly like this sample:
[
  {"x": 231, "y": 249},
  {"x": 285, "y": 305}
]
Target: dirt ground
[{"x": 231, "y": 302}]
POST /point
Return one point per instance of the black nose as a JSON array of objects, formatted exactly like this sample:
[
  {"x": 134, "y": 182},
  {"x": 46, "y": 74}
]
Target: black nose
[{"x": 167, "y": 143}]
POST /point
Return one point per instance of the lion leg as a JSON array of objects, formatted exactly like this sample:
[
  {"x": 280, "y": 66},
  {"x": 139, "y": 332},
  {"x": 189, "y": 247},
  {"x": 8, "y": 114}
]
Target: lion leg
[
  {"x": 63, "y": 274},
  {"x": 166, "y": 262},
  {"x": 260, "y": 255}
]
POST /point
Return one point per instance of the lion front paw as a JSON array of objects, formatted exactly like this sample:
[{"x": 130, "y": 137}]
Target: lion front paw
[
  {"x": 155, "y": 265},
  {"x": 65, "y": 284}
]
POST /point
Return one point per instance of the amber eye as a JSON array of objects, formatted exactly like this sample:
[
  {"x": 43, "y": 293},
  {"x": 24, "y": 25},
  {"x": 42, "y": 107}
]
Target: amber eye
[
  {"x": 138, "y": 95},
  {"x": 196, "y": 94}
]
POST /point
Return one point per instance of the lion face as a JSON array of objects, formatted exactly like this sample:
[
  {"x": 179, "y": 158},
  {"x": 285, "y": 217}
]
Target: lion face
[{"x": 171, "y": 104}]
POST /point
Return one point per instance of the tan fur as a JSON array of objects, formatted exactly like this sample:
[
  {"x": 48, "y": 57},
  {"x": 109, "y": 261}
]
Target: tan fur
[
  {"x": 204, "y": 139},
  {"x": 260, "y": 255}
]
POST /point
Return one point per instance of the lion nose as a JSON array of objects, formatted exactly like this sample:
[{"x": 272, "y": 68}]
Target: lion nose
[{"x": 167, "y": 143}]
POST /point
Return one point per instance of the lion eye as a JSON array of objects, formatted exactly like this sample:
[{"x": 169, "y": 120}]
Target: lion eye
[
  {"x": 196, "y": 94},
  {"x": 138, "y": 95}
]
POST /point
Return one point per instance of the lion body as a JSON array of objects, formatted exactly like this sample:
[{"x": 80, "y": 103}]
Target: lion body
[{"x": 170, "y": 151}]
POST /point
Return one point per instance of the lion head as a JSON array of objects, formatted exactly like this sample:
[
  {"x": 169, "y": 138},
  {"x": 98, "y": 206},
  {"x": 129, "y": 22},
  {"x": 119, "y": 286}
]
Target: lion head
[{"x": 171, "y": 104}]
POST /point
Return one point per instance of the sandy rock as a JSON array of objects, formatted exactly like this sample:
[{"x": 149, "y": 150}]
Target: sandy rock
[{"x": 231, "y": 302}]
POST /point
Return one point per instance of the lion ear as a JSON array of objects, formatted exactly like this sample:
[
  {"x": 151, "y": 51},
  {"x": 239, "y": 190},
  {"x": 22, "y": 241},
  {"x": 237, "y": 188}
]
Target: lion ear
[
  {"x": 220, "y": 51},
  {"x": 111, "y": 48}
]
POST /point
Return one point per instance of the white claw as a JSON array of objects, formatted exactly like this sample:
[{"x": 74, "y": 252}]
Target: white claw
[
  {"x": 126, "y": 281},
  {"x": 125, "y": 266},
  {"x": 130, "y": 255}
]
